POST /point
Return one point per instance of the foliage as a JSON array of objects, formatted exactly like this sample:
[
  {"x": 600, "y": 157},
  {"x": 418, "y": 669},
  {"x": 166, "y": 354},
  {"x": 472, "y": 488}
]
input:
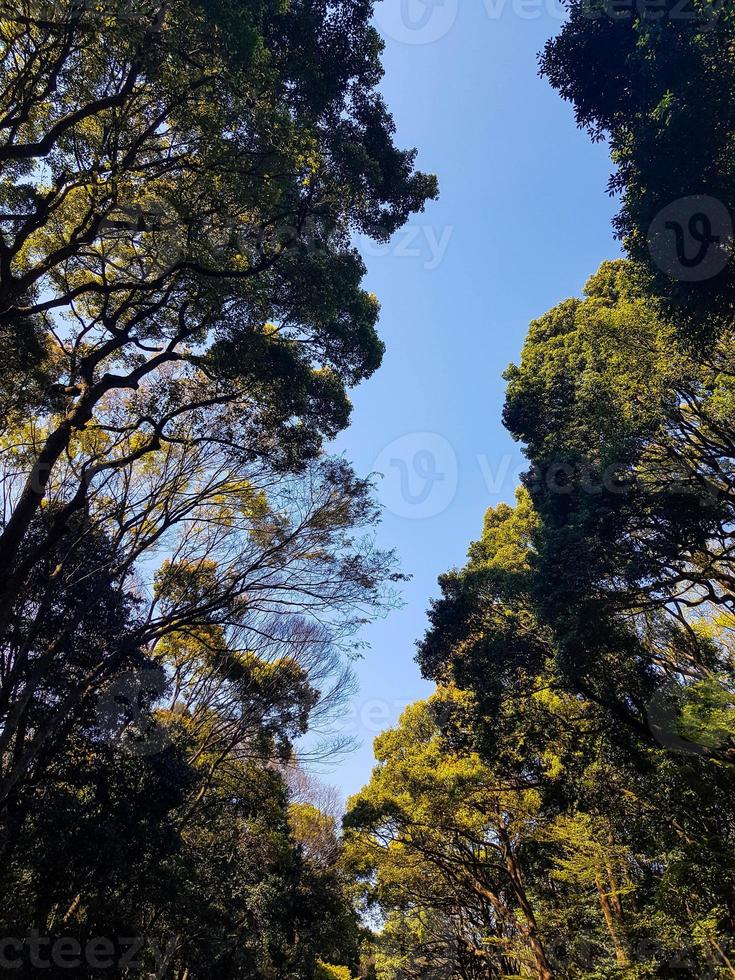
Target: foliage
[
  {"x": 632, "y": 481},
  {"x": 180, "y": 182},
  {"x": 436, "y": 838},
  {"x": 657, "y": 80},
  {"x": 182, "y": 567},
  {"x": 589, "y": 638},
  {"x": 325, "y": 971}
]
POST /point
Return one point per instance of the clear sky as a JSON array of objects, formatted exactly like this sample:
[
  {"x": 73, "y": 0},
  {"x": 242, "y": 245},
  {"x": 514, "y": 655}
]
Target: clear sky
[{"x": 523, "y": 219}]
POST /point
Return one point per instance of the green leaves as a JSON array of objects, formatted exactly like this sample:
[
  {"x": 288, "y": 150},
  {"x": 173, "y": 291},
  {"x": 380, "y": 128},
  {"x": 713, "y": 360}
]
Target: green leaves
[
  {"x": 587, "y": 635},
  {"x": 658, "y": 84}
]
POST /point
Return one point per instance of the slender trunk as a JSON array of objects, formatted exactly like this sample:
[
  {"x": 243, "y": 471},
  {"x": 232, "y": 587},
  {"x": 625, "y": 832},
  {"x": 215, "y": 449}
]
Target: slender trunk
[
  {"x": 619, "y": 934},
  {"x": 722, "y": 959},
  {"x": 72, "y": 908},
  {"x": 540, "y": 959},
  {"x": 621, "y": 953},
  {"x": 31, "y": 497}
]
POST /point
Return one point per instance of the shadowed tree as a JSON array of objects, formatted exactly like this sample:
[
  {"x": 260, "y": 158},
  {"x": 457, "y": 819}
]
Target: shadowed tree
[{"x": 658, "y": 81}]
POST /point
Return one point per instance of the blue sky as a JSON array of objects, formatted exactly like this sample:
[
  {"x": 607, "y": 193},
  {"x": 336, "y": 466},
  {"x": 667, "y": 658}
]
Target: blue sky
[{"x": 523, "y": 219}]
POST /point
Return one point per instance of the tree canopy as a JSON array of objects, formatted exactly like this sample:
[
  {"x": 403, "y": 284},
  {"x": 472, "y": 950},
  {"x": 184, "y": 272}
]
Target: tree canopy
[
  {"x": 185, "y": 569},
  {"x": 657, "y": 81}
]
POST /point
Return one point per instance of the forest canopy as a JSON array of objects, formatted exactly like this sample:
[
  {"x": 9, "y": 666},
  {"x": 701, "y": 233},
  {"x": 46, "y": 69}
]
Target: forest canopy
[
  {"x": 183, "y": 567},
  {"x": 562, "y": 806},
  {"x": 186, "y": 568}
]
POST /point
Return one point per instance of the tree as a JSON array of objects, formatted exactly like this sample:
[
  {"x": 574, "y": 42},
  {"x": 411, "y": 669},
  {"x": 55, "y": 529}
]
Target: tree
[
  {"x": 182, "y": 568},
  {"x": 658, "y": 81},
  {"x": 290, "y": 578},
  {"x": 623, "y": 820},
  {"x": 180, "y": 185},
  {"x": 69, "y": 625},
  {"x": 631, "y": 477},
  {"x": 178, "y": 828},
  {"x": 438, "y": 838}
]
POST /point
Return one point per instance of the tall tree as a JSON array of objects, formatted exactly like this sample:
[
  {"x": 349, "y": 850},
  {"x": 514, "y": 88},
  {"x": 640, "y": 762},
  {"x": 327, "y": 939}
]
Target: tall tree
[
  {"x": 628, "y": 434},
  {"x": 287, "y": 580},
  {"x": 439, "y": 836},
  {"x": 631, "y": 830},
  {"x": 180, "y": 184},
  {"x": 658, "y": 81}
]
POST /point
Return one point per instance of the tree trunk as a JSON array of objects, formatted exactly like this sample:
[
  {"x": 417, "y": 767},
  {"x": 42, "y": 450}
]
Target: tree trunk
[
  {"x": 540, "y": 959},
  {"x": 621, "y": 953}
]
